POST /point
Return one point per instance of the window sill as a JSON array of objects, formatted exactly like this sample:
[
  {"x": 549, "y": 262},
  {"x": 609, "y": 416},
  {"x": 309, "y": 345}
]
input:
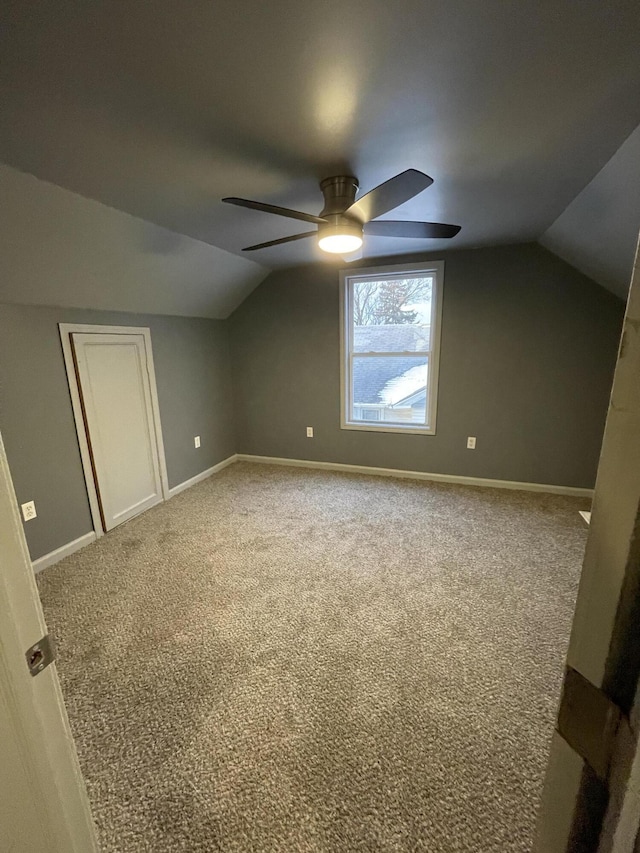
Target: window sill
[{"x": 373, "y": 427}]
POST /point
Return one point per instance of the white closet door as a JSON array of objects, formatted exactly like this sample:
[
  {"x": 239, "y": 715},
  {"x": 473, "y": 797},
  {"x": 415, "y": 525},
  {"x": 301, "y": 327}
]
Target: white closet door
[{"x": 116, "y": 398}]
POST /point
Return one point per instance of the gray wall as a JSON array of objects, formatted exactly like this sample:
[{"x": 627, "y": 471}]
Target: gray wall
[
  {"x": 193, "y": 376},
  {"x": 528, "y": 352}
]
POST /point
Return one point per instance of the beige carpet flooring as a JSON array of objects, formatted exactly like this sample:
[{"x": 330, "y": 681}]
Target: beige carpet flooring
[{"x": 282, "y": 659}]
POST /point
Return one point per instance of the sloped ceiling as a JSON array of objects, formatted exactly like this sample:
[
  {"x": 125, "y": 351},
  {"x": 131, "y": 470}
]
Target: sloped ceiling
[
  {"x": 161, "y": 109},
  {"x": 598, "y": 231},
  {"x": 57, "y": 248}
]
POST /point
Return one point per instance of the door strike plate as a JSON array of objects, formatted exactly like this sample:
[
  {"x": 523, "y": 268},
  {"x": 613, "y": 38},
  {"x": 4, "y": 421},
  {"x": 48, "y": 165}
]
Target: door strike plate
[{"x": 40, "y": 655}]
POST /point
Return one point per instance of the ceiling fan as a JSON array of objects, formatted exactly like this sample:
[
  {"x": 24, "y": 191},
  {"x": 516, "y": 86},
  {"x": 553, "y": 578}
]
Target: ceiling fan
[{"x": 343, "y": 221}]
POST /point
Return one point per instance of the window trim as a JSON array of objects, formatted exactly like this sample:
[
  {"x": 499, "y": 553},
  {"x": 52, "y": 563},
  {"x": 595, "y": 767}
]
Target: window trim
[{"x": 434, "y": 268}]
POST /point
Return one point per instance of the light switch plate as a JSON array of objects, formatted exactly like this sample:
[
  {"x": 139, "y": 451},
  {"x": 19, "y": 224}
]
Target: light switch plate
[
  {"x": 309, "y": 432},
  {"x": 196, "y": 441},
  {"x": 471, "y": 442}
]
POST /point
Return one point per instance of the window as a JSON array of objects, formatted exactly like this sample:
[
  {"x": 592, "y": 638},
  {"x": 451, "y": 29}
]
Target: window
[{"x": 390, "y": 345}]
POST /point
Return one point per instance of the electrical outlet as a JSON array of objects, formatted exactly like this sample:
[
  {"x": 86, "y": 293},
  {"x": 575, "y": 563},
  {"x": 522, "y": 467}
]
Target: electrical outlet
[
  {"x": 196, "y": 441},
  {"x": 309, "y": 432},
  {"x": 28, "y": 510},
  {"x": 471, "y": 442}
]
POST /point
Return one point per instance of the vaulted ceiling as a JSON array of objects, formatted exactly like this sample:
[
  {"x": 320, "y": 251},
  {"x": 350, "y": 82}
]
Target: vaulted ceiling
[
  {"x": 161, "y": 109},
  {"x": 598, "y": 231}
]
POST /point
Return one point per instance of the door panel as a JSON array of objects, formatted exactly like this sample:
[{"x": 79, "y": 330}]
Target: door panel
[
  {"x": 114, "y": 385},
  {"x": 43, "y": 801},
  {"x": 17, "y": 794}
]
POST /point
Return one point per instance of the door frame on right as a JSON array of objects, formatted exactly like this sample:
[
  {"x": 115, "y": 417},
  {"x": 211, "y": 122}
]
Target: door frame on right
[{"x": 66, "y": 331}]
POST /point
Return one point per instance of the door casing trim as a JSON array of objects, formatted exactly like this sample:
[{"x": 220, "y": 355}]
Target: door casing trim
[{"x": 68, "y": 329}]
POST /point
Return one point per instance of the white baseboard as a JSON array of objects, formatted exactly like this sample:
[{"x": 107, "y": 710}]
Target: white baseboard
[
  {"x": 71, "y": 547},
  {"x": 419, "y": 475},
  {"x": 201, "y": 476},
  {"x": 64, "y": 551}
]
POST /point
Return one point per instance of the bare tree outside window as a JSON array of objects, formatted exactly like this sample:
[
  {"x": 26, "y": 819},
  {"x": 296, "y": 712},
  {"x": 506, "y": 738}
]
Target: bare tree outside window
[{"x": 389, "y": 302}]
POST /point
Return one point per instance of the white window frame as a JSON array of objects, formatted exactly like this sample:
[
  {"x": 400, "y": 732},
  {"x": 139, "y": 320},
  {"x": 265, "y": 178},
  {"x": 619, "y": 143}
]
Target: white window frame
[{"x": 347, "y": 276}]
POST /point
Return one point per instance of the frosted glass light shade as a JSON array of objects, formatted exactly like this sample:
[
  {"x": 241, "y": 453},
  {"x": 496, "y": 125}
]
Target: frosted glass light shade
[{"x": 340, "y": 239}]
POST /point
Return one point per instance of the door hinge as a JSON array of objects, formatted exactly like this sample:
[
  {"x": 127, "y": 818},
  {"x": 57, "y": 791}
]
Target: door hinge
[
  {"x": 588, "y": 720},
  {"x": 40, "y": 655}
]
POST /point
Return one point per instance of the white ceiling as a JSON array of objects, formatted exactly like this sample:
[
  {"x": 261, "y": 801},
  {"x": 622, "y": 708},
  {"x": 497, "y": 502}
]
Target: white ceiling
[{"x": 161, "y": 109}]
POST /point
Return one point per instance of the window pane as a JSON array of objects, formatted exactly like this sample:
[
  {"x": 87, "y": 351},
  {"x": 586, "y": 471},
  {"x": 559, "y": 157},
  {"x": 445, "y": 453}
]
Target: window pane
[
  {"x": 392, "y": 315},
  {"x": 391, "y": 389}
]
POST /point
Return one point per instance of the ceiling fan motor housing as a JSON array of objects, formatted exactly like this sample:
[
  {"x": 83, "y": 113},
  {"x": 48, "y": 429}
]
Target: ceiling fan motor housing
[{"x": 339, "y": 194}]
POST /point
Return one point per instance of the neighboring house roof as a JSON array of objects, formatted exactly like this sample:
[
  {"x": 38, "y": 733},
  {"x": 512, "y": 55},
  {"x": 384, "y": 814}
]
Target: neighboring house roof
[
  {"x": 372, "y": 375},
  {"x": 388, "y": 380},
  {"x": 405, "y": 388},
  {"x": 389, "y": 338}
]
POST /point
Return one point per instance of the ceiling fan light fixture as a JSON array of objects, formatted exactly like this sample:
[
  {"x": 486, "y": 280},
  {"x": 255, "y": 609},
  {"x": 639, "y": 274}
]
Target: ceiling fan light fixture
[
  {"x": 343, "y": 220},
  {"x": 340, "y": 239}
]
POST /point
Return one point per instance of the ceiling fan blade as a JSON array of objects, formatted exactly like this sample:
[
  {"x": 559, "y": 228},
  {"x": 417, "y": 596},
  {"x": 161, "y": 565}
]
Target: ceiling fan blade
[
  {"x": 393, "y": 228},
  {"x": 392, "y": 193},
  {"x": 281, "y": 240},
  {"x": 272, "y": 208}
]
